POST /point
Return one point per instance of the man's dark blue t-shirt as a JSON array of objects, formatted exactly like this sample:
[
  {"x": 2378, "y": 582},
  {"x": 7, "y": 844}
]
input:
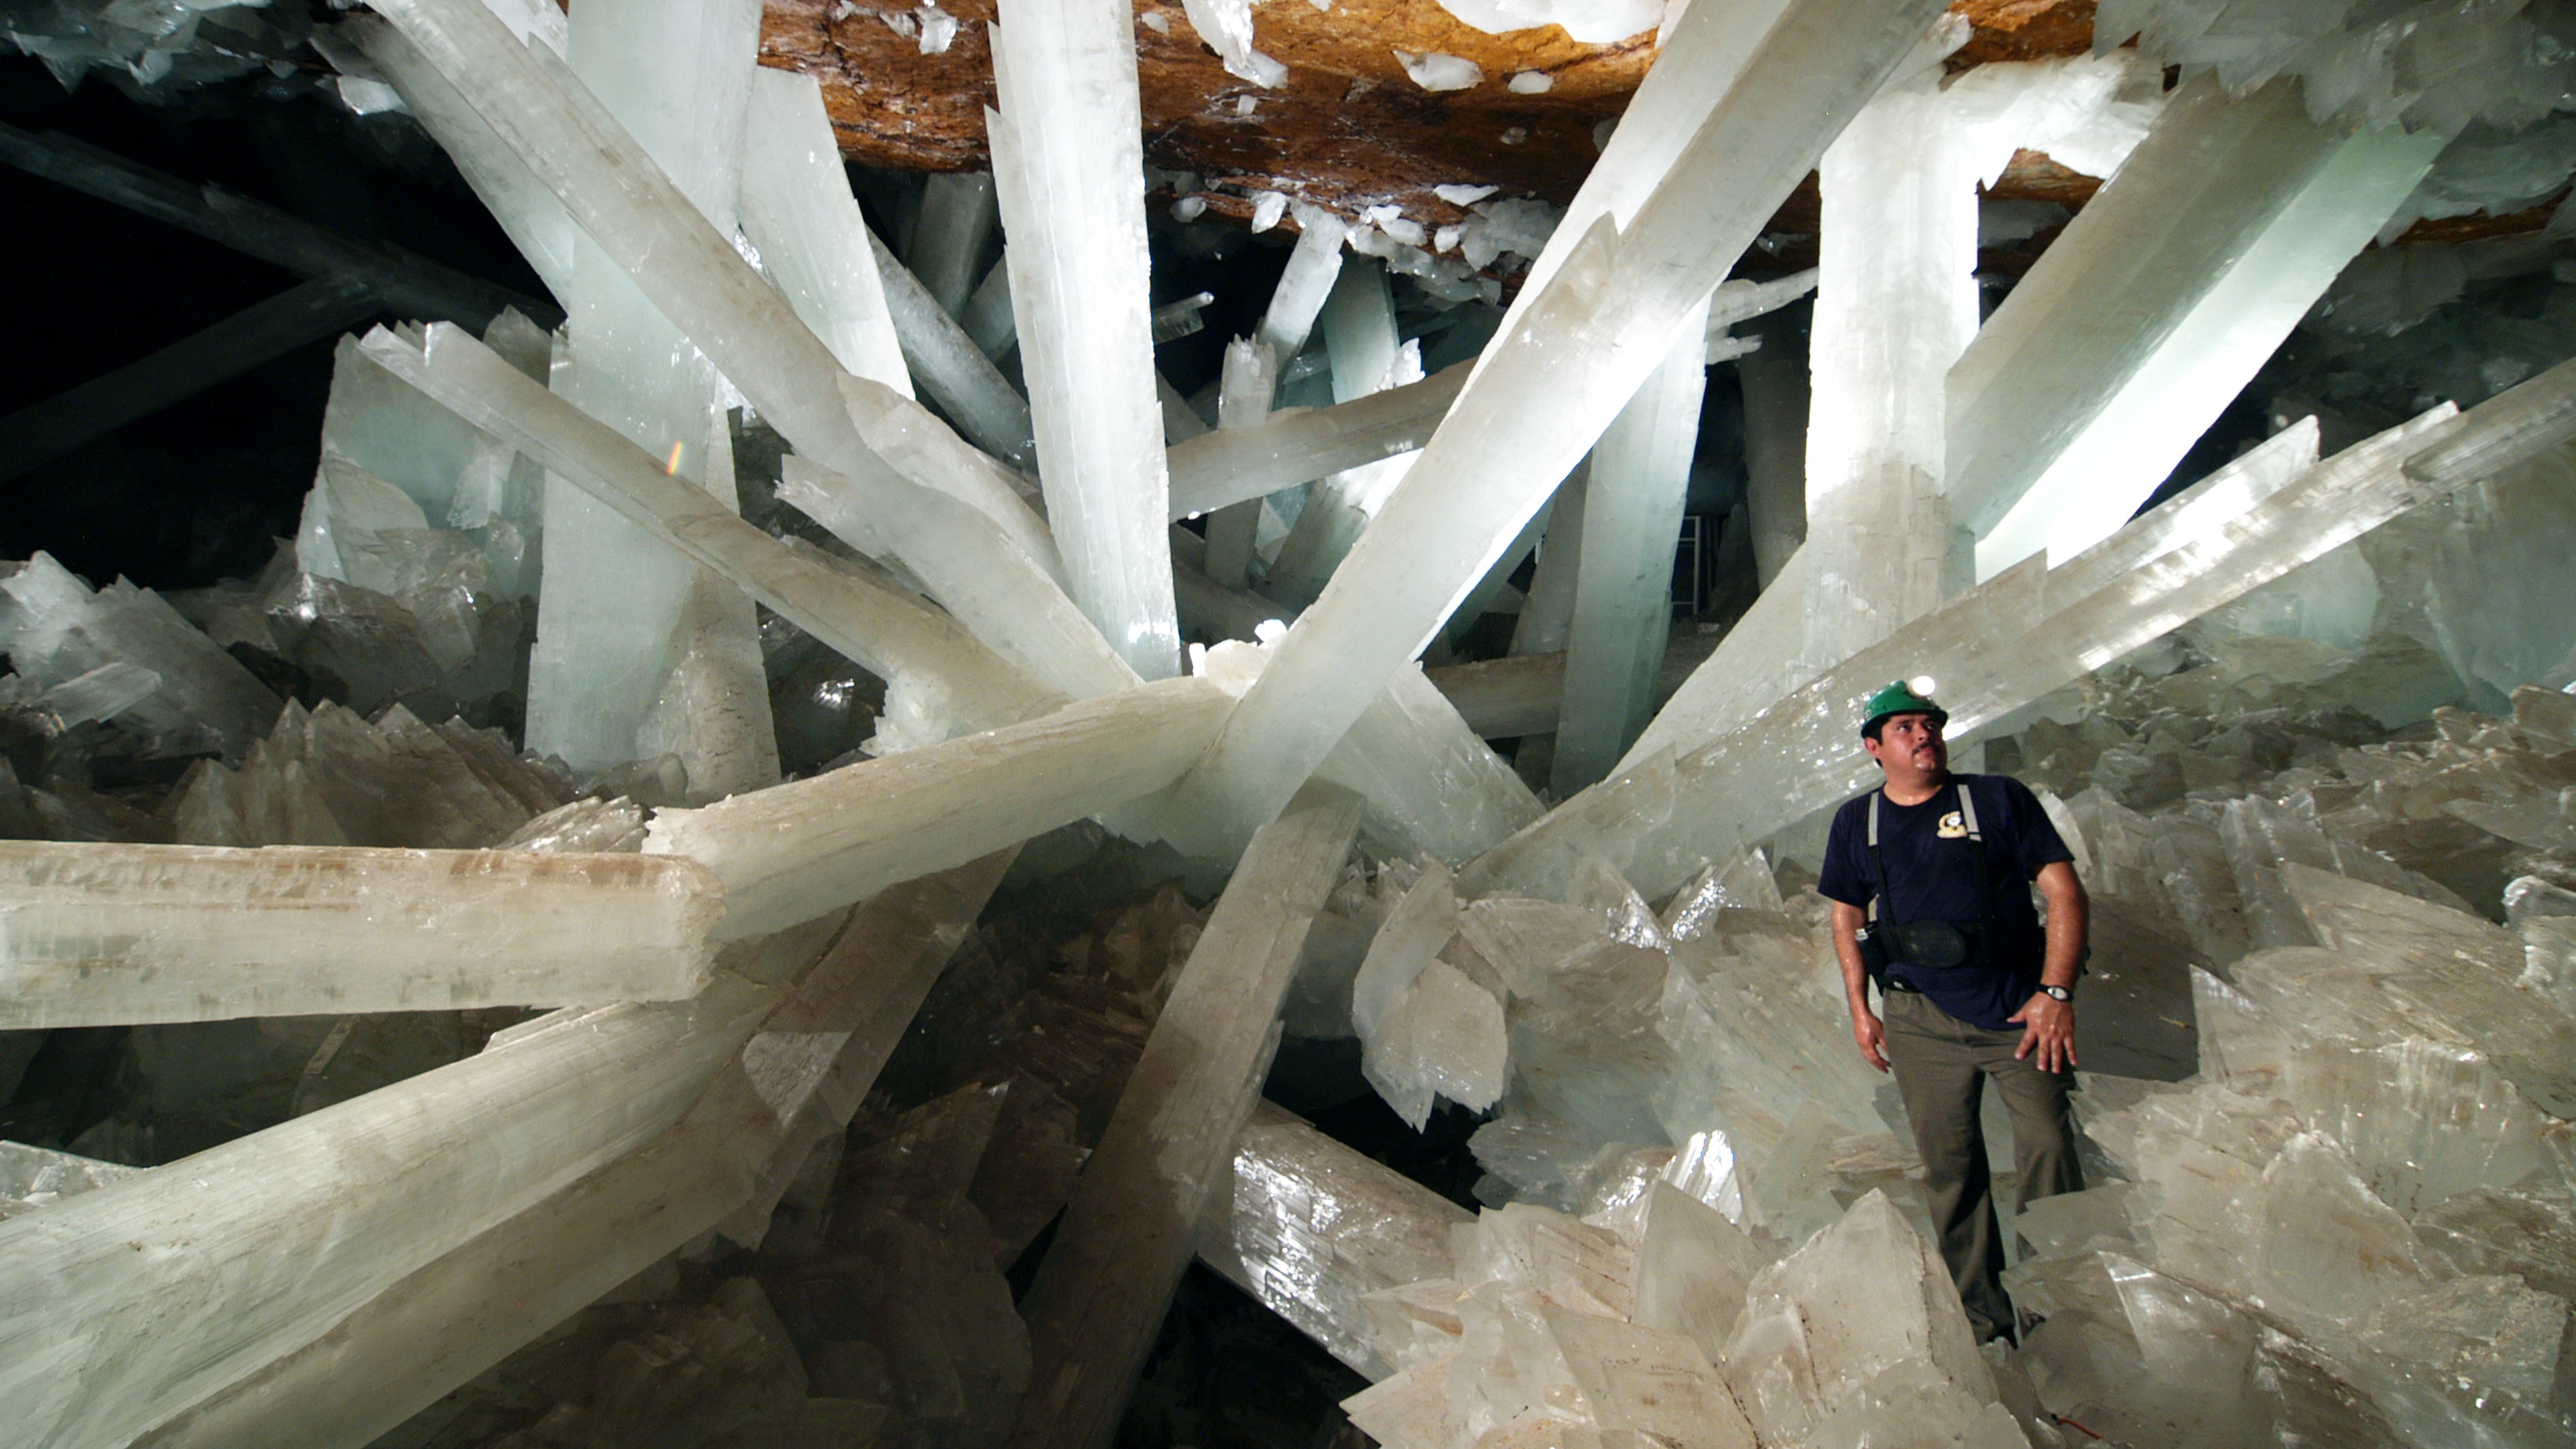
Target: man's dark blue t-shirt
[{"x": 1932, "y": 876}]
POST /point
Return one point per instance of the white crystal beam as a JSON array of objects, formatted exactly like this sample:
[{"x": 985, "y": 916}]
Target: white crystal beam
[
  {"x": 123, "y": 934},
  {"x": 1107, "y": 1280},
  {"x": 797, "y": 211},
  {"x": 1895, "y": 303},
  {"x": 1542, "y": 393},
  {"x": 915, "y": 649},
  {"x": 902, "y": 466},
  {"x": 130, "y": 1303},
  {"x": 948, "y": 237},
  {"x": 2021, "y": 634},
  {"x": 1361, "y": 340},
  {"x": 616, "y": 612},
  {"x": 1313, "y": 265},
  {"x": 2154, "y": 308},
  {"x": 1068, "y": 167},
  {"x": 794, "y": 851},
  {"x": 1311, "y": 1227},
  {"x": 468, "y": 1309},
  {"x": 1249, "y": 379},
  {"x": 1637, "y": 484},
  {"x": 1234, "y": 465},
  {"x": 1775, "y": 382},
  {"x": 951, "y": 368}
]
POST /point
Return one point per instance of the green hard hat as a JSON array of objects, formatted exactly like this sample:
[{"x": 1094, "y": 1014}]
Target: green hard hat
[{"x": 1898, "y": 698}]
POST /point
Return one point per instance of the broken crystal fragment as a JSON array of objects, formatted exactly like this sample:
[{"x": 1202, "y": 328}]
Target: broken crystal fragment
[{"x": 56, "y": 630}]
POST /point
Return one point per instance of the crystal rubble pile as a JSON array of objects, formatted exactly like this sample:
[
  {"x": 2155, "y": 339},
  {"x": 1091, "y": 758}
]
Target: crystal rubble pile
[{"x": 2327, "y": 1102}]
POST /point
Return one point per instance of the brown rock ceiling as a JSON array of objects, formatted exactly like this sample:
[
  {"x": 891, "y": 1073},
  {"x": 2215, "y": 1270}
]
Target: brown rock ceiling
[{"x": 1350, "y": 129}]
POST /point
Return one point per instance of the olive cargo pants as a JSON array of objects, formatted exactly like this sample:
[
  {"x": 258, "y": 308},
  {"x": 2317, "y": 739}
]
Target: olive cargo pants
[{"x": 1941, "y": 1065}]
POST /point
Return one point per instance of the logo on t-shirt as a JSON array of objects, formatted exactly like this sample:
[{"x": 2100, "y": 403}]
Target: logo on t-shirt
[{"x": 1952, "y": 827}]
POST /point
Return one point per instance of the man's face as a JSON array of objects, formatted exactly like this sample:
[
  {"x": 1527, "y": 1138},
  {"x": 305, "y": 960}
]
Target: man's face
[{"x": 1910, "y": 742}]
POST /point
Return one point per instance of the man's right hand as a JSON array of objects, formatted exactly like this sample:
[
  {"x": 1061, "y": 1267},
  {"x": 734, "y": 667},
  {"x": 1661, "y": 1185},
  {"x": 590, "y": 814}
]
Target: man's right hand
[{"x": 1870, "y": 1037}]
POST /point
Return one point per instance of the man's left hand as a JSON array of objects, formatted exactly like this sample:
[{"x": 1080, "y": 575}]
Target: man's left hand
[{"x": 2048, "y": 1031}]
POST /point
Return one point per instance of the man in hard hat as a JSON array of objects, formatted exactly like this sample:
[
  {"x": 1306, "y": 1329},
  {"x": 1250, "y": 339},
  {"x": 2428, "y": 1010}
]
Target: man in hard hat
[{"x": 1930, "y": 876}]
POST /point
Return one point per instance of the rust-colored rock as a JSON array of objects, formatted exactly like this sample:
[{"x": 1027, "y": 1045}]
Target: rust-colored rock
[
  {"x": 1348, "y": 130},
  {"x": 2023, "y": 29}
]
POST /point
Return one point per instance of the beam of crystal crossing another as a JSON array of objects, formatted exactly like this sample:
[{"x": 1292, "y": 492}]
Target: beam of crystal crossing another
[
  {"x": 2023, "y": 633},
  {"x": 1235, "y": 465},
  {"x": 617, "y": 611},
  {"x": 797, "y": 211},
  {"x": 794, "y": 851},
  {"x": 1697, "y": 68},
  {"x": 1543, "y": 392},
  {"x": 458, "y": 1315},
  {"x": 951, "y": 368},
  {"x": 2154, "y": 308},
  {"x": 1635, "y": 487},
  {"x": 518, "y": 199},
  {"x": 1068, "y": 168},
  {"x": 1120, "y": 1249},
  {"x": 135, "y": 1301},
  {"x": 941, "y": 681},
  {"x": 1361, "y": 340},
  {"x": 901, "y": 468},
  {"x": 107, "y": 934},
  {"x": 1311, "y": 1227}
]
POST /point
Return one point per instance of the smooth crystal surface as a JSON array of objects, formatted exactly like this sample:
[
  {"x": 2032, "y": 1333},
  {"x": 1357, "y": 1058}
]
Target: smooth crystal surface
[
  {"x": 134, "y": 933},
  {"x": 1068, "y": 166},
  {"x": 2223, "y": 227}
]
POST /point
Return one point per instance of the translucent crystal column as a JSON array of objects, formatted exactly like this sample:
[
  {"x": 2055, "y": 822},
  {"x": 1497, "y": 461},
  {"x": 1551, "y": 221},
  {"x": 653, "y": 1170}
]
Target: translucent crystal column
[
  {"x": 106, "y": 934},
  {"x": 610, "y": 619},
  {"x": 797, "y": 211},
  {"x": 1232, "y": 465},
  {"x": 1774, "y": 379},
  {"x": 906, "y": 478},
  {"x": 1250, "y": 378},
  {"x": 1896, "y": 301},
  {"x": 1120, "y": 1249},
  {"x": 1068, "y": 165},
  {"x": 2023, "y": 633},
  {"x": 1360, "y": 337},
  {"x": 951, "y": 368},
  {"x": 794, "y": 851},
  {"x": 463, "y": 1312},
  {"x": 1311, "y": 1228},
  {"x": 2155, "y": 307},
  {"x": 132, "y": 1302},
  {"x": 940, "y": 680},
  {"x": 946, "y": 249},
  {"x": 1546, "y": 387},
  {"x": 1623, "y": 611}
]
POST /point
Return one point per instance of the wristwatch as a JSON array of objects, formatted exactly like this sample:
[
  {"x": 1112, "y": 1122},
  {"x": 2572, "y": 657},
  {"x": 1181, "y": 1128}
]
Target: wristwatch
[{"x": 2059, "y": 992}]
